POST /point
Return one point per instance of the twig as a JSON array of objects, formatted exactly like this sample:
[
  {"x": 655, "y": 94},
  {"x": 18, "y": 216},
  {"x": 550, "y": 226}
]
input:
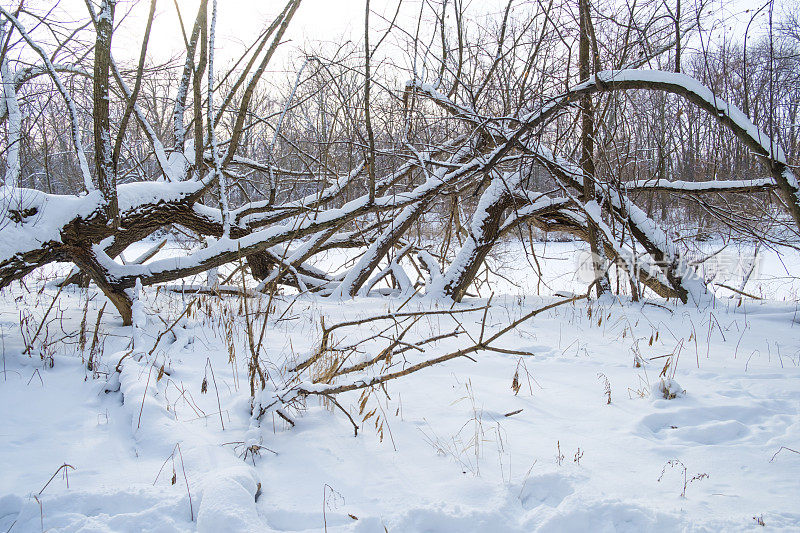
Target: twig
[
  {"x": 737, "y": 291},
  {"x": 342, "y": 409},
  {"x": 326, "y": 331},
  {"x": 424, "y": 364},
  {"x": 780, "y": 450},
  {"x": 280, "y": 414}
]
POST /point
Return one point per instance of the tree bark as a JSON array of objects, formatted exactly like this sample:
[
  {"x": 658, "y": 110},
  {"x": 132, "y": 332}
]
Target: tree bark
[
  {"x": 587, "y": 150},
  {"x": 103, "y": 159}
]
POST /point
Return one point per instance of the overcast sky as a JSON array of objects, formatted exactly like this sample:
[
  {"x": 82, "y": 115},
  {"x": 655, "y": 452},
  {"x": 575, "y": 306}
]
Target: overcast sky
[{"x": 239, "y": 21}]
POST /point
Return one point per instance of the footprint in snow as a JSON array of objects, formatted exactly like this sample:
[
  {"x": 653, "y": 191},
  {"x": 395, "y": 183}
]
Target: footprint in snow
[
  {"x": 545, "y": 489},
  {"x": 707, "y": 425}
]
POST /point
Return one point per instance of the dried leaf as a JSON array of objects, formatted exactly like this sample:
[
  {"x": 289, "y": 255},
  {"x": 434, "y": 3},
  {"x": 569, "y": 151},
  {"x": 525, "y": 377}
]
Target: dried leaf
[{"x": 515, "y": 386}]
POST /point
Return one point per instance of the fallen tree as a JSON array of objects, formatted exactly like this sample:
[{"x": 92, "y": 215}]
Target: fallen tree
[{"x": 280, "y": 230}]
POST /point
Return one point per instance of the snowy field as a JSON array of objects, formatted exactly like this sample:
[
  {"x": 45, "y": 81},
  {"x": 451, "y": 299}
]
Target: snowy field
[{"x": 576, "y": 437}]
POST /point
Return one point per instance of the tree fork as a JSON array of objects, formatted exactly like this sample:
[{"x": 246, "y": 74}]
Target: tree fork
[{"x": 86, "y": 260}]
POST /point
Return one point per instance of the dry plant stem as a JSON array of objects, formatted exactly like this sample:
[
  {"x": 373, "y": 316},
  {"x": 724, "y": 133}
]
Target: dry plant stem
[
  {"x": 214, "y": 380},
  {"x": 44, "y": 318},
  {"x": 186, "y": 480},
  {"x": 96, "y": 336},
  {"x": 174, "y": 323},
  {"x": 64, "y": 467},
  {"x": 82, "y": 329},
  {"x": 170, "y": 456},
  {"x": 38, "y": 374},
  {"x": 266, "y": 319},
  {"x": 230, "y": 276},
  {"x": 483, "y": 321},
  {"x": 41, "y": 513},
  {"x": 119, "y": 363},
  {"x": 686, "y": 480},
  {"x": 255, "y": 366},
  {"x": 737, "y": 291},
  {"x": 144, "y": 396}
]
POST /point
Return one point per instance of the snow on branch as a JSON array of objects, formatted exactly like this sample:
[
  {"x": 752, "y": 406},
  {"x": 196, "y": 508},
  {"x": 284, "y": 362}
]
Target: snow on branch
[
  {"x": 693, "y": 187},
  {"x": 73, "y": 114}
]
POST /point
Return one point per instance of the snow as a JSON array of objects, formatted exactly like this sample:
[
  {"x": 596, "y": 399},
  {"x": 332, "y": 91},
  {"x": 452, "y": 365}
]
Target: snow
[
  {"x": 49, "y": 213},
  {"x": 228, "y": 502},
  {"x": 135, "y": 194},
  {"x": 690, "y": 186},
  {"x": 449, "y": 459},
  {"x": 667, "y": 389}
]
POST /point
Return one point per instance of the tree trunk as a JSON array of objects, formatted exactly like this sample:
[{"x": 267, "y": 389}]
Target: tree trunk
[
  {"x": 587, "y": 151},
  {"x": 103, "y": 158}
]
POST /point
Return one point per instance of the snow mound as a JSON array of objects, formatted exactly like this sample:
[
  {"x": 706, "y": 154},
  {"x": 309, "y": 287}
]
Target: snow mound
[
  {"x": 228, "y": 502},
  {"x": 667, "y": 389}
]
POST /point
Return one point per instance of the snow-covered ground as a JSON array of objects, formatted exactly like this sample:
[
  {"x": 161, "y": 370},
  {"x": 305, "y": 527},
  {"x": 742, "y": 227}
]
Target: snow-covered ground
[{"x": 585, "y": 443}]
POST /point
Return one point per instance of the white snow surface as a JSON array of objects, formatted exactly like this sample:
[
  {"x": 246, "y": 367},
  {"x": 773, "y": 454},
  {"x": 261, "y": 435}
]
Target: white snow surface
[
  {"x": 449, "y": 459},
  {"x": 689, "y": 186},
  {"x": 51, "y": 212}
]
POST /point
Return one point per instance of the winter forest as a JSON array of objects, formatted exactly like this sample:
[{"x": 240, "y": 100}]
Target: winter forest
[{"x": 399, "y": 265}]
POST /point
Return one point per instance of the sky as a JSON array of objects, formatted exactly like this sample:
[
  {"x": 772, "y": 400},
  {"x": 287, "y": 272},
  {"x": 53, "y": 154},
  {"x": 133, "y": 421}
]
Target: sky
[
  {"x": 334, "y": 21},
  {"x": 239, "y": 21}
]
